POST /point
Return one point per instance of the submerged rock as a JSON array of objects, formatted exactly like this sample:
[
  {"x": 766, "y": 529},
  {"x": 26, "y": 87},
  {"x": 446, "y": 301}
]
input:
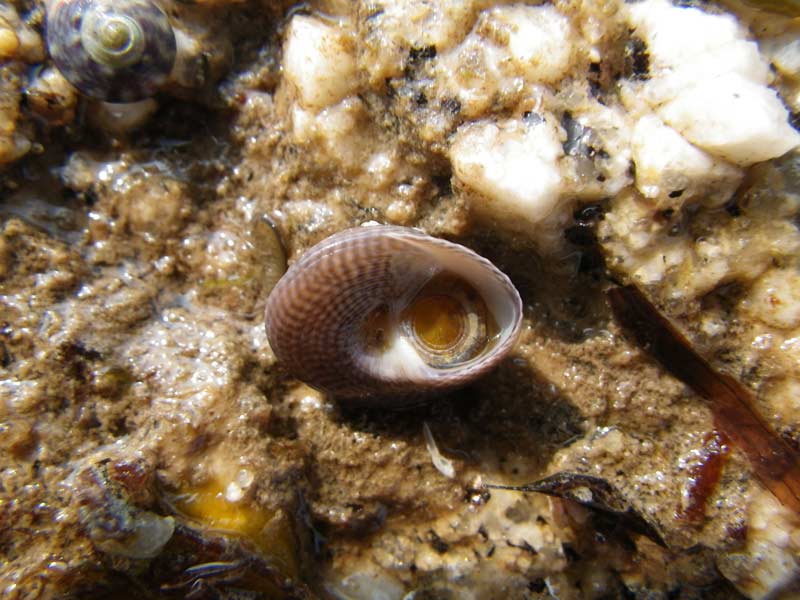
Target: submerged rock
[{"x": 573, "y": 144}]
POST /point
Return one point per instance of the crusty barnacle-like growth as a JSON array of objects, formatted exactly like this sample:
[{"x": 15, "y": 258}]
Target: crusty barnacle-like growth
[{"x": 107, "y": 494}]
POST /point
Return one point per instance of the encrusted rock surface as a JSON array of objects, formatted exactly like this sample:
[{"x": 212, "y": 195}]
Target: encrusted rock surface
[{"x": 151, "y": 445}]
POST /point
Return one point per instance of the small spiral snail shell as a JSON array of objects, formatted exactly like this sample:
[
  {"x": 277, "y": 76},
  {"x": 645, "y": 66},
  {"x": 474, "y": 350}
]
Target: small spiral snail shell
[
  {"x": 112, "y": 50},
  {"x": 391, "y": 314}
]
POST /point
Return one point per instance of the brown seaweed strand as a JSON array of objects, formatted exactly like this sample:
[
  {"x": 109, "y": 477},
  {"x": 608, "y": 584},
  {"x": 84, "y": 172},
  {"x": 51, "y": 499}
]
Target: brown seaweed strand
[{"x": 775, "y": 463}]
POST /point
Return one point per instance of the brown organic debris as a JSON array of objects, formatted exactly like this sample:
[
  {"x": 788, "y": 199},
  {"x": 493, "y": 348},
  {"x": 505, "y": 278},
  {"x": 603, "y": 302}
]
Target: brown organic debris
[
  {"x": 775, "y": 463},
  {"x": 595, "y": 493}
]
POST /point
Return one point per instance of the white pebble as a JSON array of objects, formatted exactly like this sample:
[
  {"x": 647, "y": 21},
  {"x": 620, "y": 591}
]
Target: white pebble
[
  {"x": 734, "y": 118},
  {"x": 681, "y": 38},
  {"x": 775, "y": 299},
  {"x": 666, "y": 163},
  {"x": 785, "y": 53},
  {"x": 539, "y": 40},
  {"x": 514, "y": 166},
  {"x": 318, "y": 59},
  {"x": 510, "y": 51}
]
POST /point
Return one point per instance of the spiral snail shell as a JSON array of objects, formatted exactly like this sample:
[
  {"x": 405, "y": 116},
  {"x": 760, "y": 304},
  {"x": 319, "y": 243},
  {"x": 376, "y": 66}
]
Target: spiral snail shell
[
  {"x": 391, "y": 314},
  {"x": 112, "y": 50}
]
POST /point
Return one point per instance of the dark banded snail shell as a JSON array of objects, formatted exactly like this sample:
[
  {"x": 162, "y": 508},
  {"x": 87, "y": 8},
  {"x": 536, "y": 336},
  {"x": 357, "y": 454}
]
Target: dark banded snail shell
[
  {"x": 112, "y": 50},
  {"x": 388, "y": 312}
]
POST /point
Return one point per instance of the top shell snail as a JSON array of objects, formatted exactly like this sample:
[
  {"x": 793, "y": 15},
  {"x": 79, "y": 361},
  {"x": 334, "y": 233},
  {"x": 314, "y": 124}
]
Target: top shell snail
[
  {"x": 112, "y": 50},
  {"x": 391, "y": 313}
]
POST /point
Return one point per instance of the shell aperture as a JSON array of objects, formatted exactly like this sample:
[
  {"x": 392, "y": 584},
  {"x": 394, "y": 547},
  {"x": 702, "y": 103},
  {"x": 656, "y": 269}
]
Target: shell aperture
[
  {"x": 438, "y": 321},
  {"x": 391, "y": 314},
  {"x": 447, "y": 321},
  {"x": 117, "y": 51}
]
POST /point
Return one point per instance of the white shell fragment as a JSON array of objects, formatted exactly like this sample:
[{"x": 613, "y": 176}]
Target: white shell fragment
[
  {"x": 442, "y": 464},
  {"x": 150, "y": 534}
]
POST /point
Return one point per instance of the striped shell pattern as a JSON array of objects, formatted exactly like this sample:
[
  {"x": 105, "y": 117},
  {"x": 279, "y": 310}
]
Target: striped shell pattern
[
  {"x": 387, "y": 315},
  {"x": 111, "y": 50}
]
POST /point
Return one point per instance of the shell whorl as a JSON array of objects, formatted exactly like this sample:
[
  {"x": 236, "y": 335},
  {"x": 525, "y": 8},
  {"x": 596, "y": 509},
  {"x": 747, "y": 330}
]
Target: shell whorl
[
  {"x": 315, "y": 315},
  {"x": 112, "y": 50}
]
